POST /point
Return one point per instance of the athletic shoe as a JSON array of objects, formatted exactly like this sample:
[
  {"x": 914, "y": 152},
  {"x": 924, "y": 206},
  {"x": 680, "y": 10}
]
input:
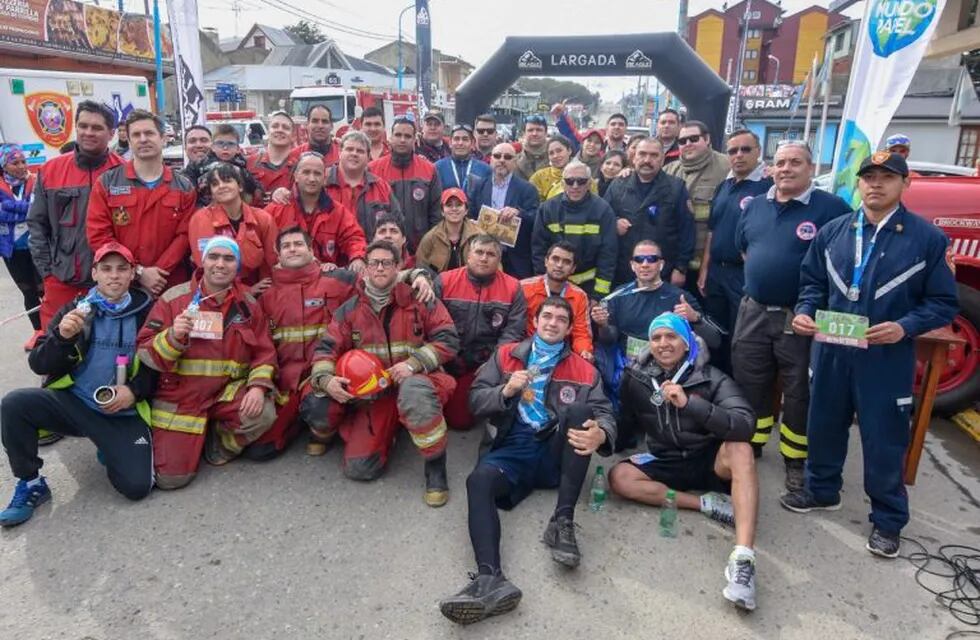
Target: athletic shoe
[
  {"x": 718, "y": 506},
  {"x": 804, "y": 502},
  {"x": 486, "y": 595},
  {"x": 215, "y": 451},
  {"x": 794, "y": 475},
  {"x": 45, "y": 437},
  {"x": 883, "y": 544},
  {"x": 32, "y": 341},
  {"x": 25, "y": 500},
  {"x": 436, "y": 483},
  {"x": 560, "y": 537},
  {"x": 740, "y": 573}
]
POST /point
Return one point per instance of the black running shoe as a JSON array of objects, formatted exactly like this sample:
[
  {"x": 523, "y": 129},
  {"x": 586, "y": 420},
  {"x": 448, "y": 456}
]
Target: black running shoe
[
  {"x": 883, "y": 544},
  {"x": 804, "y": 502},
  {"x": 794, "y": 475},
  {"x": 560, "y": 536},
  {"x": 486, "y": 595}
]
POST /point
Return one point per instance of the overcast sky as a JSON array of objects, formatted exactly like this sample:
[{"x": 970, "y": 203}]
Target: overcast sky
[{"x": 461, "y": 27}]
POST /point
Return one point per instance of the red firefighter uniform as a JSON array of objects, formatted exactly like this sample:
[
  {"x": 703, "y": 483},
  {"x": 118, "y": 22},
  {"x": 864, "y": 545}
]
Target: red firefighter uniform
[
  {"x": 269, "y": 176},
  {"x": 418, "y": 190},
  {"x": 331, "y": 155},
  {"x": 368, "y": 200},
  {"x": 151, "y": 223},
  {"x": 404, "y": 330},
  {"x": 337, "y": 237},
  {"x": 202, "y": 381},
  {"x": 298, "y": 306},
  {"x": 256, "y": 238}
]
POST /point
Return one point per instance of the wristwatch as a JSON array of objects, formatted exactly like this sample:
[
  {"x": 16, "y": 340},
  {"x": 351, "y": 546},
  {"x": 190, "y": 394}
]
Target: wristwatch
[{"x": 139, "y": 271}]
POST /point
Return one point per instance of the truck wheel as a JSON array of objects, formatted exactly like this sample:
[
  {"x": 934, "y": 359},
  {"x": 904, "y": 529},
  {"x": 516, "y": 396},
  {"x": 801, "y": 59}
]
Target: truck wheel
[{"x": 959, "y": 386}]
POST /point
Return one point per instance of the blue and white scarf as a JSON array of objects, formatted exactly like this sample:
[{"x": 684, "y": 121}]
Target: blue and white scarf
[{"x": 541, "y": 362}]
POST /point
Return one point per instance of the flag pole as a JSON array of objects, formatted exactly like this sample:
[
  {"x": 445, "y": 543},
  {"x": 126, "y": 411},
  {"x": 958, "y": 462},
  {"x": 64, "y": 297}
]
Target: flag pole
[{"x": 809, "y": 102}]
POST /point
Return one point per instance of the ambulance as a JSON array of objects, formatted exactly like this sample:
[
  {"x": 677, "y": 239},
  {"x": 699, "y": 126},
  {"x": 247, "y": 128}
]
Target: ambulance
[{"x": 37, "y": 108}]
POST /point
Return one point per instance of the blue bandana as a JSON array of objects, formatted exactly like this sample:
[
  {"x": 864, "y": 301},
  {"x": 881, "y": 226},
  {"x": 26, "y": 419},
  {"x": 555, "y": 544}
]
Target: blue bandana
[
  {"x": 112, "y": 308},
  {"x": 542, "y": 360},
  {"x": 679, "y": 325}
]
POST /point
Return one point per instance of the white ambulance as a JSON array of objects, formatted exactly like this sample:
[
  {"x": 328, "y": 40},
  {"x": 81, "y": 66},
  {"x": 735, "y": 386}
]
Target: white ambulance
[{"x": 37, "y": 108}]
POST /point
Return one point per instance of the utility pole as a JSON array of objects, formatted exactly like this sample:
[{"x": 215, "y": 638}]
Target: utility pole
[
  {"x": 736, "y": 89},
  {"x": 682, "y": 19}
]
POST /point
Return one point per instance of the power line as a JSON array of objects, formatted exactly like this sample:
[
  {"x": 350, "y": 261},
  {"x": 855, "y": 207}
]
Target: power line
[{"x": 291, "y": 9}]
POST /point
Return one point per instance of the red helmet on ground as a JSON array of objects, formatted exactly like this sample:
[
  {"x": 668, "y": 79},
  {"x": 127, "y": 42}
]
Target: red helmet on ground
[{"x": 365, "y": 371}]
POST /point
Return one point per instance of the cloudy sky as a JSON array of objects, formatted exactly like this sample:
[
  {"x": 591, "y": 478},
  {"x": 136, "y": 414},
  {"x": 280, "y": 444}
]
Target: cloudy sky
[{"x": 470, "y": 29}]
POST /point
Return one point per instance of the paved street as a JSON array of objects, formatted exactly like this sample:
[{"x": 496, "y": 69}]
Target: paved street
[{"x": 291, "y": 549}]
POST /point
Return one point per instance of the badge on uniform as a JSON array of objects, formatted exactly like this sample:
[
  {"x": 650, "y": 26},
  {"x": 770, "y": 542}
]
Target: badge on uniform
[
  {"x": 418, "y": 193},
  {"x": 652, "y": 211},
  {"x": 120, "y": 217},
  {"x": 120, "y": 190}
]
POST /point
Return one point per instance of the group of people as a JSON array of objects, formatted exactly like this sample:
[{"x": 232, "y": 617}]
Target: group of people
[{"x": 342, "y": 288}]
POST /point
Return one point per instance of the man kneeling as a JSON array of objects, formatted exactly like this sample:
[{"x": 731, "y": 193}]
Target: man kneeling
[
  {"x": 698, "y": 426},
  {"x": 537, "y": 397},
  {"x": 93, "y": 388}
]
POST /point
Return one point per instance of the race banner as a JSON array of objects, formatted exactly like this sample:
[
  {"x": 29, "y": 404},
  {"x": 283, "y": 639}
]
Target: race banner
[
  {"x": 423, "y": 66},
  {"x": 891, "y": 41},
  {"x": 187, "y": 61}
]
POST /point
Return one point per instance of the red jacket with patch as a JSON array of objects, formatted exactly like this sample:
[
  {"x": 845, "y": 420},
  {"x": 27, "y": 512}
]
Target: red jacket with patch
[
  {"x": 418, "y": 190},
  {"x": 337, "y": 237},
  {"x": 368, "y": 200},
  {"x": 330, "y": 158},
  {"x": 269, "y": 176},
  {"x": 256, "y": 238}
]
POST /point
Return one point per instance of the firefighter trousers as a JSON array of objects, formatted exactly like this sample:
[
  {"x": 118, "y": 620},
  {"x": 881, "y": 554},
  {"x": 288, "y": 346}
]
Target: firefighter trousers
[
  {"x": 763, "y": 347},
  {"x": 368, "y": 428}
]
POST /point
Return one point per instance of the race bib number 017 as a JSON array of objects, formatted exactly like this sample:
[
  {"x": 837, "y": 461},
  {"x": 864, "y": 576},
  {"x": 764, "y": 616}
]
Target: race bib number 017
[{"x": 846, "y": 329}]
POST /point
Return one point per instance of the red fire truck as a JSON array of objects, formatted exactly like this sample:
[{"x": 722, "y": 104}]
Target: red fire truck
[{"x": 346, "y": 105}]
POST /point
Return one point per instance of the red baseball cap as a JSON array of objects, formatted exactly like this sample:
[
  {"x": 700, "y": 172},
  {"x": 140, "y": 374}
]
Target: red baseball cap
[
  {"x": 596, "y": 132},
  {"x": 454, "y": 192},
  {"x": 114, "y": 247}
]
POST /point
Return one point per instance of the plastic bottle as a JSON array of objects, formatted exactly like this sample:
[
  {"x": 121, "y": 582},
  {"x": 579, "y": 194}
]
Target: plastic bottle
[
  {"x": 668, "y": 515},
  {"x": 599, "y": 490}
]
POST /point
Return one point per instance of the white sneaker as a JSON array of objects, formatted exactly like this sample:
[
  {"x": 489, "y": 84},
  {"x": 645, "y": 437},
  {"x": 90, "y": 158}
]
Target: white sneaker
[
  {"x": 718, "y": 506},
  {"x": 740, "y": 574}
]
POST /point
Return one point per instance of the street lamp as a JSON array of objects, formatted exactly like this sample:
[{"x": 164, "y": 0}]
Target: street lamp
[
  {"x": 401, "y": 68},
  {"x": 776, "y": 60}
]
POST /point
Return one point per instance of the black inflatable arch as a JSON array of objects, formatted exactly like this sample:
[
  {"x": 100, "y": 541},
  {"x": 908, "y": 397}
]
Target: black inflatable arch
[{"x": 664, "y": 55}]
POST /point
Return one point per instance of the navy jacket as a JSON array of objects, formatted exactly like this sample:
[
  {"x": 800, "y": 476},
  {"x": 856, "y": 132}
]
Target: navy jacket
[
  {"x": 465, "y": 174},
  {"x": 521, "y": 195}
]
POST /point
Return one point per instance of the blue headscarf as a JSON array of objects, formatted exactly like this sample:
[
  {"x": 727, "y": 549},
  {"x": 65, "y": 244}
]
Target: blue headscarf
[
  {"x": 224, "y": 243},
  {"x": 679, "y": 325},
  {"x": 9, "y": 153}
]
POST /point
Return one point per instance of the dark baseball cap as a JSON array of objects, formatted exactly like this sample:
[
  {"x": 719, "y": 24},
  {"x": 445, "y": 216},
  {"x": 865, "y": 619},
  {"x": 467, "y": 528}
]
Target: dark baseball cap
[
  {"x": 891, "y": 162},
  {"x": 436, "y": 115}
]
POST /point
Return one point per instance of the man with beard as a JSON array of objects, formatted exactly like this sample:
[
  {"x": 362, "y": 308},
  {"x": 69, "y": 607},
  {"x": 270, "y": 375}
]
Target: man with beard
[
  {"x": 485, "y": 129},
  {"x": 319, "y": 127},
  {"x": 534, "y": 147},
  {"x": 432, "y": 143},
  {"x": 559, "y": 264},
  {"x": 351, "y": 185},
  {"x": 668, "y": 128},
  {"x": 197, "y": 143}
]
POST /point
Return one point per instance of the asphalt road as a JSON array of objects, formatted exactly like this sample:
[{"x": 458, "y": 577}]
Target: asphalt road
[{"x": 291, "y": 549}]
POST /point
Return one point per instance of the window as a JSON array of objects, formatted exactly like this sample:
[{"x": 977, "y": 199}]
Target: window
[
  {"x": 776, "y": 135},
  {"x": 258, "y": 41},
  {"x": 839, "y": 42},
  {"x": 748, "y": 76},
  {"x": 754, "y": 33},
  {"x": 966, "y": 153},
  {"x": 755, "y": 15},
  {"x": 751, "y": 54}
]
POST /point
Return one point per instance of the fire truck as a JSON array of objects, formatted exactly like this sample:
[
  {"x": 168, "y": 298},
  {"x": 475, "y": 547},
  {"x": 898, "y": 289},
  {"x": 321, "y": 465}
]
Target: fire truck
[{"x": 346, "y": 105}]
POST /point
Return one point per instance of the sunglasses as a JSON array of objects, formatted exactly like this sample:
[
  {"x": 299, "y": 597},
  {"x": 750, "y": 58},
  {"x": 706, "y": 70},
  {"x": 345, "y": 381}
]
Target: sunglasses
[
  {"x": 689, "y": 140},
  {"x": 503, "y": 156},
  {"x": 651, "y": 259},
  {"x": 577, "y": 182},
  {"x": 486, "y": 132},
  {"x": 733, "y": 151}
]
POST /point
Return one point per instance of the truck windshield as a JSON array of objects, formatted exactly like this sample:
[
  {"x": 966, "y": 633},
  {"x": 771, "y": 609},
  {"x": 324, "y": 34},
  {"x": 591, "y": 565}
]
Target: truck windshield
[{"x": 299, "y": 106}]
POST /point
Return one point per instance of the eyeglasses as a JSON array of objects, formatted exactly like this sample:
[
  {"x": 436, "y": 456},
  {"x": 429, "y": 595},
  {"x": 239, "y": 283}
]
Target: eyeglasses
[
  {"x": 503, "y": 156},
  {"x": 577, "y": 182},
  {"x": 734, "y": 151},
  {"x": 651, "y": 259},
  {"x": 485, "y": 132},
  {"x": 385, "y": 263},
  {"x": 689, "y": 139},
  {"x": 224, "y": 144}
]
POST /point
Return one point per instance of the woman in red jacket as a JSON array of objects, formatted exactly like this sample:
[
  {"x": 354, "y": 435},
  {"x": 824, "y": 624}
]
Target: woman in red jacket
[{"x": 253, "y": 229}]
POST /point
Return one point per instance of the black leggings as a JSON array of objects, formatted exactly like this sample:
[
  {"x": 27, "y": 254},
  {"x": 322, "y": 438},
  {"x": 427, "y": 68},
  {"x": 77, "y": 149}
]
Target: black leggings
[
  {"x": 487, "y": 483},
  {"x": 22, "y": 272}
]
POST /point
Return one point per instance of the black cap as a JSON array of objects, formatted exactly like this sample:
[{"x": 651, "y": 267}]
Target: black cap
[{"x": 892, "y": 162}]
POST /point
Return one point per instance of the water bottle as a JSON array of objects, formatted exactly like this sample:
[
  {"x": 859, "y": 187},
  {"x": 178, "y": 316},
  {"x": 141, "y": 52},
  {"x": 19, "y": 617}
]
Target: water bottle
[
  {"x": 668, "y": 515},
  {"x": 599, "y": 490}
]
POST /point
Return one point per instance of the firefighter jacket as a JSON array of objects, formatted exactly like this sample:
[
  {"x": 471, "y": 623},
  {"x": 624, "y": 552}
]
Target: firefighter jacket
[
  {"x": 337, "y": 237},
  {"x": 299, "y": 306},
  {"x": 256, "y": 238},
  {"x": 197, "y": 373},
  {"x": 536, "y": 292},
  {"x": 488, "y": 312},
  {"x": 405, "y": 330},
  {"x": 574, "y": 380},
  {"x": 269, "y": 176},
  {"x": 368, "y": 200},
  {"x": 151, "y": 223},
  {"x": 331, "y": 154},
  {"x": 590, "y": 225},
  {"x": 417, "y": 188},
  {"x": 56, "y": 221}
]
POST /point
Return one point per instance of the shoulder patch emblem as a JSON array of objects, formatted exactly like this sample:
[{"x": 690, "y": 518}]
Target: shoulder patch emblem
[
  {"x": 567, "y": 394},
  {"x": 806, "y": 231}
]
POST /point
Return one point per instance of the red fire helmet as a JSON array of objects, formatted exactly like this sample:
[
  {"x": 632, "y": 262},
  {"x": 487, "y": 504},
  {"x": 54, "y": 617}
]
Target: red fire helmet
[{"x": 365, "y": 371}]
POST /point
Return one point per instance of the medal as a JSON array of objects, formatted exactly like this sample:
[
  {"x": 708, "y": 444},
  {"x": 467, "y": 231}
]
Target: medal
[
  {"x": 528, "y": 395},
  {"x": 853, "y": 293},
  {"x": 657, "y": 398},
  {"x": 84, "y": 307}
]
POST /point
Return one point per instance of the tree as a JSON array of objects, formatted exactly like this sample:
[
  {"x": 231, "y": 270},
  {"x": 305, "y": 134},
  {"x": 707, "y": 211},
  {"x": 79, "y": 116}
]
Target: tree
[
  {"x": 553, "y": 91},
  {"x": 306, "y": 32}
]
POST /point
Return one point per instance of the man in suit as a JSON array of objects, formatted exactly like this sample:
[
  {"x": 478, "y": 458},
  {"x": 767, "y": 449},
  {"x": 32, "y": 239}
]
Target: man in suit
[{"x": 513, "y": 197}]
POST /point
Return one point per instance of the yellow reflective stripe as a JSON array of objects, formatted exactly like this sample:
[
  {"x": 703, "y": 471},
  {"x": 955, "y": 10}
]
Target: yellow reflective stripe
[
  {"x": 763, "y": 428},
  {"x": 602, "y": 286},
  {"x": 177, "y": 422},
  {"x": 575, "y": 229},
  {"x": 261, "y": 372},
  {"x": 228, "y": 393},
  {"x": 760, "y": 437},
  {"x": 322, "y": 368},
  {"x": 763, "y": 423},
  {"x": 784, "y": 431},
  {"x": 396, "y": 349},
  {"x": 63, "y": 382},
  {"x": 787, "y": 450},
  {"x": 430, "y": 437},
  {"x": 554, "y": 227},
  {"x": 585, "y": 276},
  {"x": 163, "y": 347},
  {"x": 211, "y": 368},
  {"x": 282, "y": 399},
  {"x": 428, "y": 357},
  {"x": 301, "y": 333}
]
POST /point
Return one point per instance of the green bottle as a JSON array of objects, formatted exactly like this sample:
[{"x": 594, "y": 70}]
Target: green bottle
[
  {"x": 668, "y": 515},
  {"x": 599, "y": 490}
]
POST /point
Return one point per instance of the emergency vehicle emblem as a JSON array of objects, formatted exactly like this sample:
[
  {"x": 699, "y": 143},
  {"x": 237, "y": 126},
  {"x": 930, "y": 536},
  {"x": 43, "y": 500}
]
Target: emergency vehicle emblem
[
  {"x": 567, "y": 394},
  {"x": 418, "y": 193},
  {"x": 329, "y": 247},
  {"x": 950, "y": 262},
  {"x": 744, "y": 202},
  {"x": 51, "y": 117},
  {"x": 880, "y": 157},
  {"x": 806, "y": 231},
  {"x": 497, "y": 320},
  {"x": 120, "y": 217}
]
